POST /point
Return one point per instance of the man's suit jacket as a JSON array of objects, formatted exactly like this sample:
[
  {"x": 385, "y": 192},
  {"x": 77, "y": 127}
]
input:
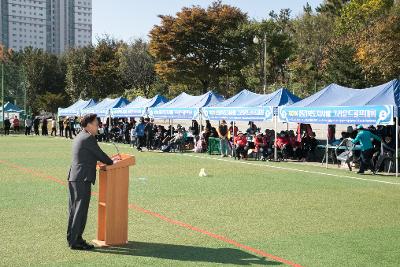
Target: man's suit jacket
[{"x": 85, "y": 154}]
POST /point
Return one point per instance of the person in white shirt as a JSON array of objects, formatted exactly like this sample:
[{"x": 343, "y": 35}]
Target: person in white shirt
[{"x": 28, "y": 125}]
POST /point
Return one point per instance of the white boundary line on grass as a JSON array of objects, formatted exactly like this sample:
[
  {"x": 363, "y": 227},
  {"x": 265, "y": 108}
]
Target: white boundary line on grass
[
  {"x": 279, "y": 167},
  {"x": 293, "y": 169}
]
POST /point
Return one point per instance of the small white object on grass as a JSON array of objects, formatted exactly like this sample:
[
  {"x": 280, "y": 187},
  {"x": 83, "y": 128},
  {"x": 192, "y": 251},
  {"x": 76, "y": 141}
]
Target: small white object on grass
[{"x": 202, "y": 173}]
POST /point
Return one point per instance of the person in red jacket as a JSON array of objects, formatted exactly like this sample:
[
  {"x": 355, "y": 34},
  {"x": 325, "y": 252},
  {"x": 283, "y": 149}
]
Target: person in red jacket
[
  {"x": 241, "y": 145},
  {"x": 15, "y": 124},
  {"x": 261, "y": 145},
  {"x": 282, "y": 143}
]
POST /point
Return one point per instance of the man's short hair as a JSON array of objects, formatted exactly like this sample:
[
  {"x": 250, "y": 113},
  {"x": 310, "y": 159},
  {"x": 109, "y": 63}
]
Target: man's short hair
[{"x": 88, "y": 118}]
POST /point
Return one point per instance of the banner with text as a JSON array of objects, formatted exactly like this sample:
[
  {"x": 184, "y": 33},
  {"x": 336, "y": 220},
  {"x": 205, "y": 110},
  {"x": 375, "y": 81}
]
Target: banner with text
[
  {"x": 127, "y": 112},
  {"x": 174, "y": 113},
  {"x": 369, "y": 115},
  {"x": 238, "y": 114}
]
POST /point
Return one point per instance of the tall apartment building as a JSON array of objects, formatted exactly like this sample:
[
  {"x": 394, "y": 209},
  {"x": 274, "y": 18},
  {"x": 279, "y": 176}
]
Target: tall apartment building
[{"x": 52, "y": 25}]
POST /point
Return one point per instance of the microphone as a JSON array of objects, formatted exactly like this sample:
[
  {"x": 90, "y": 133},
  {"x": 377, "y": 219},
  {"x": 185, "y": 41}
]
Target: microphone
[{"x": 119, "y": 154}]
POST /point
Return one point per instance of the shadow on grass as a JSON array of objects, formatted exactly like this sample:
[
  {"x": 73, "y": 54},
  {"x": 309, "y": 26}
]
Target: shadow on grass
[{"x": 187, "y": 253}]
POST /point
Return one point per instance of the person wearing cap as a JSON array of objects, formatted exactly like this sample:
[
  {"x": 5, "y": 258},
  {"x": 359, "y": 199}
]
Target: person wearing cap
[
  {"x": 223, "y": 138},
  {"x": 365, "y": 137}
]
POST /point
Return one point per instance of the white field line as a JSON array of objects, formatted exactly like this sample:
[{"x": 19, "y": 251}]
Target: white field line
[
  {"x": 280, "y": 168},
  {"x": 293, "y": 169}
]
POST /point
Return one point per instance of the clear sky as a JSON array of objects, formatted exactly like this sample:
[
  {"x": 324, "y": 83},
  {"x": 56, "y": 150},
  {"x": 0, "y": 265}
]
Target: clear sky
[{"x": 128, "y": 19}]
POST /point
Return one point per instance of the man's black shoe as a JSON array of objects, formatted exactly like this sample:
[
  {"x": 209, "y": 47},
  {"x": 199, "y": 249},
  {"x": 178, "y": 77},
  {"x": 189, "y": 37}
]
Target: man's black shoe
[
  {"x": 83, "y": 246},
  {"x": 360, "y": 172}
]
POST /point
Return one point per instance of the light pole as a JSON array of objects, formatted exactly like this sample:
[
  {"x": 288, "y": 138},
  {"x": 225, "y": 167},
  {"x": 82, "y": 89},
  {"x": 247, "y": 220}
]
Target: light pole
[{"x": 256, "y": 40}]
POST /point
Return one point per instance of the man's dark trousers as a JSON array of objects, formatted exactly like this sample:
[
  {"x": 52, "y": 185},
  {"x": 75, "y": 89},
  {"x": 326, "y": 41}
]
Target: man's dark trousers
[
  {"x": 79, "y": 199},
  {"x": 365, "y": 162}
]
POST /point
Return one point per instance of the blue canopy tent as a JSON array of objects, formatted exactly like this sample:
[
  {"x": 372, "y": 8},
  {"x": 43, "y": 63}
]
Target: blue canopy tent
[
  {"x": 75, "y": 109},
  {"x": 10, "y": 108},
  {"x": 185, "y": 106},
  {"x": 336, "y": 104},
  {"x": 249, "y": 106},
  {"x": 102, "y": 109},
  {"x": 138, "y": 107}
]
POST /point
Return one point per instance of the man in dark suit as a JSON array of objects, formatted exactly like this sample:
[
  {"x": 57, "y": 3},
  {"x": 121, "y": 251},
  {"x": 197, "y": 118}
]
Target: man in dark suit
[{"x": 85, "y": 154}]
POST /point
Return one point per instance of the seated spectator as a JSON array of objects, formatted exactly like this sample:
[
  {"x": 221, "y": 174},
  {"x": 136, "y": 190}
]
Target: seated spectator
[
  {"x": 344, "y": 135},
  {"x": 270, "y": 136},
  {"x": 261, "y": 145},
  {"x": 159, "y": 136},
  {"x": 295, "y": 146},
  {"x": 241, "y": 145},
  {"x": 387, "y": 153},
  {"x": 201, "y": 145},
  {"x": 206, "y": 134},
  {"x": 309, "y": 147},
  {"x": 282, "y": 143},
  {"x": 176, "y": 141},
  {"x": 213, "y": 132}
]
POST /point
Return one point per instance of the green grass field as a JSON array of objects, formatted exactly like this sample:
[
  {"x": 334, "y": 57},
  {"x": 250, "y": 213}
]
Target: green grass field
[{"x": 307, "y": 215}]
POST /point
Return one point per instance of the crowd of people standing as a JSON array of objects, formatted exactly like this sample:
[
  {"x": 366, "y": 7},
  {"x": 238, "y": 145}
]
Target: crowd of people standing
[{"x": 146, "y": 134}]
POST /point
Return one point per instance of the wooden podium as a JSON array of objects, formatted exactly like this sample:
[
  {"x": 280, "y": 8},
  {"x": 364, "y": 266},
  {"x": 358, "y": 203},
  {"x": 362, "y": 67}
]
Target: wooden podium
[{"x": 112, "y": 222}]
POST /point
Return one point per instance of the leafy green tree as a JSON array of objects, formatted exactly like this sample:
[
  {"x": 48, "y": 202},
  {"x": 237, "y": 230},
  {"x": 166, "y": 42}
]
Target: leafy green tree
[
  {"x": 137, "y": 67},
  {"x": 312, "y": 34},
  {"x": 198, "y": 46},
  {"x": 359, "y": 14},
  {"x": 78, "y": 75},
  {"x": 50, "y": 102},
  {"x": 332, "y": 7},
  {"x": 342, "y": 67},
  {"x": 104, "y": 68},
  {"x": 43, "y": 72}
]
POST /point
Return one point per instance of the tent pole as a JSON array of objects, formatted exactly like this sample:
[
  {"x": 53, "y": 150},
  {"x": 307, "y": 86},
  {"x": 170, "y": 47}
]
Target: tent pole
[
  {"x": 199, "y": 126},
  {"x": 233, "y": 139},
  {"x": 397, "y": 146},
  {"x": 276, "y": 136},
  {"x": 327, "y": 149}
]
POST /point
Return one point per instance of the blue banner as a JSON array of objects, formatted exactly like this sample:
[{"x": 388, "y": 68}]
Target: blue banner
[
  {"x": 174, "y": 113},
  {"x": 127, "y": 112},
  {"x": 100, "y": 113},
  {"x": 369, "y": 115},
  {"x": 67, "y": 112},
  {"x": 238, "y": 114}
]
